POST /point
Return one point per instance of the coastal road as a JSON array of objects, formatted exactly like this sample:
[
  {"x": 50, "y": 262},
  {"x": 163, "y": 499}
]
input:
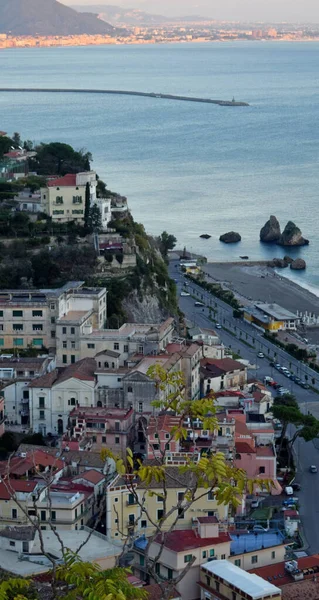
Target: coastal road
[{"x": 307, "y": 453}]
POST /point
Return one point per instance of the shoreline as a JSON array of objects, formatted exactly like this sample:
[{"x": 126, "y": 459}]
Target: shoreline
[{"x": 256, "y": 282}]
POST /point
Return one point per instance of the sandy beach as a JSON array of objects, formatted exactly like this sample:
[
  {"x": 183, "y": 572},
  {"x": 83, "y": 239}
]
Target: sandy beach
[{"x": 261, "y": 283}]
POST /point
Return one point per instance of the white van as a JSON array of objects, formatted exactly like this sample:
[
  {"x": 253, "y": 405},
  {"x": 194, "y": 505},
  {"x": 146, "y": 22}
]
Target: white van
[{"x": 288, "y": 490}]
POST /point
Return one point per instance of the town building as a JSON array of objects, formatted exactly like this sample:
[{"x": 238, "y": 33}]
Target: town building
[
  {"x": 123, "y": 511},
  {"x": 222, "y": 374},
  {"x": 296, "y": 578},
  {"x": 223, "y": 580},
  {"x": 271, "y": 317},
  {"x": 50, "y": 318},
  {"x": 191, "y": 355},
  {"x": 63, "y": 198},
  {"x": 209, "y": 339},
  {"x": 28, "y": 201},
  {"x": 97, "y": 427}
]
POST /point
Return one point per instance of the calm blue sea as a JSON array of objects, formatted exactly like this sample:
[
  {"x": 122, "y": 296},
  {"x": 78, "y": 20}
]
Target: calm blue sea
[{"x": 187, "y": 168}]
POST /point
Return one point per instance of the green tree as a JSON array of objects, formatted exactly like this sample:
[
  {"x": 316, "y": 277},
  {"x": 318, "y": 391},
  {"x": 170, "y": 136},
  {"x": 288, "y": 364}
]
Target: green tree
[
  {"x": 45, "y": 269},
  {"x": 16, "y": 139},
  {"x": 87, "y": 206},
  {"x": 94, "y": 218},
  {"x": 57, "y": 158},
  {"x": 101, "y": 190},
  {"x": 207, "y": 473},
  {"x": 166, "y": 242},
  {"x": 6, "y": 144}
]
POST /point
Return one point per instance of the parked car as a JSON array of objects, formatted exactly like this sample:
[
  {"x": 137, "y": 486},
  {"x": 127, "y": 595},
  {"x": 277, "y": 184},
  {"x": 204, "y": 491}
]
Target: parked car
[
  {"x": 313, "y": 469},
  {"x": 260, "y": 528},
  {"x": 296, "y": 487},
  {"x": 197, "y": 303},
  {"x": 305, "y": 385},
  {"x": 183, "y": 293},
  {"x": 289, "y": 490},
  {"x": 277, "y": 366},
  {"x": 273, "y": 384},
  {"x": 297, "y": 380},
  {"x": 283, "y": 392},
  {"x": 261, "y": 355},
  {"x": 255, "y": 504},
  {"x": 290, "y": 502},
  {"x": 218, "y": 326}
]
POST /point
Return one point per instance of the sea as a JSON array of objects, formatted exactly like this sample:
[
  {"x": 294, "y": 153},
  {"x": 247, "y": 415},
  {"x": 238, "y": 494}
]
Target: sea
[{"x": 187, "y": 168}]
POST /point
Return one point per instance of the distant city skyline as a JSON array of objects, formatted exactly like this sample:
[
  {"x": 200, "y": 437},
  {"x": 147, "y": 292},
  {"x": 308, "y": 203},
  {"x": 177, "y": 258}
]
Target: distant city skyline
[{"x": 306, "y": 11}]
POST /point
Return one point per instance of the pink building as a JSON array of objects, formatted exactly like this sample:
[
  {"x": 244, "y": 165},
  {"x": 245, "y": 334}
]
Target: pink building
[
  {"x": 97, "y": 427},
  {"x": 158, "y": 435}
]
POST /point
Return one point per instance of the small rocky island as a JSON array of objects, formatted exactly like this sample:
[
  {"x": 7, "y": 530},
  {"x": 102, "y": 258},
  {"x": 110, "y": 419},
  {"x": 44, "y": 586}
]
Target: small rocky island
[
  {"x": 291, "y": 235},
  {"x": 297, "y": 264},
  {"x": 231, "y": 237},
  {"x": 205, "y": 236}
]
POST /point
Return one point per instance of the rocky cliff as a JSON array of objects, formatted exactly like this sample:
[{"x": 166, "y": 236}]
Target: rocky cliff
[{"x": 231, "y": 237}]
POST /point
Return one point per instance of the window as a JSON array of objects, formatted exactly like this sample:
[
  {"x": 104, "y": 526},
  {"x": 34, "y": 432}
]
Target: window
[
  {"x": 140, "y": 407},
  {"x": 64, "y": 359},
  {"x": 17, "y": 327},
  {"x": 159, "y": 499},
  {"x": 261, "y": 469},
  {"x": 94, "y": 439},
  {"x": 117, "y": 439},
  {"x": 273, "y": 554},
  {"x": 77, "y": 200},
  {"x": 254, "y": 559},
  {"x": 116, "y": 499},
  {"x": 211, "y": 552},
  {"x": 53, "y": 334},
  {"x": 53, "y": 515},
  {"x": 169, "y": 574},
  {"x": 64, "y": 330},
  {"x": 59, "y": 199},
  {"x": 180, "y": 498},
  {"x": 77, "y": 212},
  {"x": 141, "y": 350},
  {"x": 131, "y": 499},
  {"x": 41, "y": 415},
  {"x": 73, "y": 345},
  {"x": 142, "y": 560},
  {"x": 37, "y": 327},
  {"x": 65, "y": 344},
  {"x": 12, "y": 543},
  {"x": 52, "y": 306},
  {"x": 43, "y": 527},
  {"x": 106, "y": 365},
  {"x": 117, "y": 426},
  {"x": 57, "y": 212},
  {"x": 37, "y": 313},
  {"x": 72, "y": 330},
  {"x": 1, "y": 342},
  {"x": 18, "y": 341},
  {"x": 17, "y": 313},
  {"x": 210, "y": 495},
  {"x": 1, "y": 313},
  {"x": 188, "y": 558},
  {"x": 116, "y": 346},
  {"x": 91, "y": 346},
  {"x": 234, "y": 596},
  {"x": 41, "y": 402},
  {"x": 14, "y": 513},
  {"x": 160, "y": 514},
  {"x": 238, "y": 562},
  {"x": 26, "y": 394},
  {"x": 37, "y": 341},
  {"x": 144, "y": 524},
  {"x": 207, "y": 581},
  {"x": 72, "y": 358},
  {"x": 204, "y": 554},
  {"x": 103, "y": 439},
  {"x": 223, "y": 556},
  {"x": 130, "y": 389},
  {"x": 131, "y": 519},
  {"x": 158, "y": 569},
  {"x": 125, "y": 349},
  {"x": 72, "y": 401},
  {"x": 52, "y": 320},
  {"x": 43, "y": 515}
]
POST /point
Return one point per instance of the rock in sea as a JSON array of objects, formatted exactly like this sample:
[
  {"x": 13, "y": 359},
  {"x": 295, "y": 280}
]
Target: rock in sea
[
  {"x": 291, "y": 236},
  {"x": 270, "y": 232},
  {"x": 230, "y": 238},
  {"x": 205, "y": 236},
  {"x": 298, "y": 265}
]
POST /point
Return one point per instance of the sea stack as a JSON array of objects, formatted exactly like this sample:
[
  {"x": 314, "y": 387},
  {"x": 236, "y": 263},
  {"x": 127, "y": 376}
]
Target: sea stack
[
  {"x": 291, "y": 236},
  {"x": 231, "y": 237},
  {"x": 298, "y": 265},
  {"x": 270, "y": 232}
]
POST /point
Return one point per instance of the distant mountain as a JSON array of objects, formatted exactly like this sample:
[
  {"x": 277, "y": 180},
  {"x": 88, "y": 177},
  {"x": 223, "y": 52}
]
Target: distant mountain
[
  {"x": 48, "y": 17},
  {"x": 123, "y": 16},
  {"x": 118, "y": 15}
]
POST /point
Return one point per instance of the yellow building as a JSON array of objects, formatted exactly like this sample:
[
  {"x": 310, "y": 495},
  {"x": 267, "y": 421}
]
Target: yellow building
[
  {"x": 271, "y": 317},
  {"x": 122, "y": 511}
]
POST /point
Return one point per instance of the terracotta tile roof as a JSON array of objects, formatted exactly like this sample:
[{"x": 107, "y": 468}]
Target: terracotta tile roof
[
  {"x": 24, "y": 533},
  {"x": 292, "y": 514},
  {"x": 180, "y": 541},
  {"x": 241, "y": 428},
  {"x": 83, "y": 369},
  {"x": 92, "y": 476},
  {"x": 68, "y": 180},
  {"x": 155, "y": 592},
  {"x": 163, "y": 423},
  {"x": 15, "y": 485},
  {"x": 264, "y": 451},
  {"x": 278, "y": 575},
  {"x": 244, "y": 448},
  {"x": 224, "y": 364}
]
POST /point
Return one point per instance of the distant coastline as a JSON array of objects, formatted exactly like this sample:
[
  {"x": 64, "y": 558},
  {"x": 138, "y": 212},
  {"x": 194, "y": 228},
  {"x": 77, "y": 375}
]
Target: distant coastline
[{"x": 87, "y": 40}]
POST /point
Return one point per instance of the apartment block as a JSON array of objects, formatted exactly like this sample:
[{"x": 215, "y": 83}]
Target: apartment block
[
  {"x": 223, "y": 580},
  {"x": 32, "y": 317}
]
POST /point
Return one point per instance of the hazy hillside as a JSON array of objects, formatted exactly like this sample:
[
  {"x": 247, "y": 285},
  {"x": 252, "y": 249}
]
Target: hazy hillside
[
  {"x": 118, "y": 15},
  {"x": 48, "y": 17}
]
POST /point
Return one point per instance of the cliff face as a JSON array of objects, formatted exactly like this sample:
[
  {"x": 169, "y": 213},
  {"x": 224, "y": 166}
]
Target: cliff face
[
  {"x": 48, "y": 17},
  {"x": 145, "y": 310}
]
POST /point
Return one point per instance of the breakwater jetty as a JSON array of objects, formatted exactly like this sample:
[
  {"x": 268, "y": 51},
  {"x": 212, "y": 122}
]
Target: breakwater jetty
[{"x": 126, "y": 93}]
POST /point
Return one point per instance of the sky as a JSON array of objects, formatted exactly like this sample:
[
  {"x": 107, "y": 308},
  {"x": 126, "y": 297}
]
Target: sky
[{"x": 305, "y": 11}]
